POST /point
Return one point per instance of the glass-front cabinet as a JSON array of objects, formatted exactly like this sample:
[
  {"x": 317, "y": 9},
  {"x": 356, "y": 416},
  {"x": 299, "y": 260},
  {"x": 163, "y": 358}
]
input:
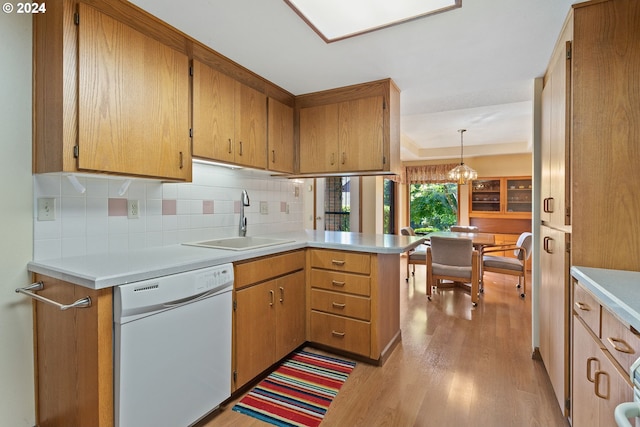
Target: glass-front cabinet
[{"x": 509, "y": 196}]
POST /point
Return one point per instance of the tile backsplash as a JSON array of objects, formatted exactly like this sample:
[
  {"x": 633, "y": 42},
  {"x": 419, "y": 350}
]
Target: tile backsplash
[{"x": 97, "y": 221}]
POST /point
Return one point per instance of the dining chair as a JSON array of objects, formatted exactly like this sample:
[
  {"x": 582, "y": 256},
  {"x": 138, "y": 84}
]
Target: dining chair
[
  {"x": 508, "y": 265},
  {"x": 414, "y": 256},
  {"x": 464, "y": 228},
  {"x": 453, "y": 259}
]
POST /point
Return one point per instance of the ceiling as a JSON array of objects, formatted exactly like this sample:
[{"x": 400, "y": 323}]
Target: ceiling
[{"x": 471, "y": 67}]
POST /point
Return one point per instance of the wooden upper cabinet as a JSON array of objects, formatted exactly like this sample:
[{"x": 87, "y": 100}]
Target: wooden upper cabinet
[
  {"x": 133, "y": 93},
  {"x": 213, "y": 113},
  {"x": 352, "y": 129},
  {"x": 107, "y": 97},
  {"x": 319, "y": 139},
  {"x": 280, "y": 137},
  {"x": 229, "y": 119}
]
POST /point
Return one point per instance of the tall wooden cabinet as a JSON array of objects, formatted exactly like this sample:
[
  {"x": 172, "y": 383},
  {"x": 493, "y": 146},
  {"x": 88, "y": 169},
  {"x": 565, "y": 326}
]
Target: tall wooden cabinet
[
  {"x": 590, "y": 129},
  {"x": 108, "y": 97},
  {"x": 229, "y": 119},
  {"x": 351, "y": 129},
  {"x": 280, "y": 137}
]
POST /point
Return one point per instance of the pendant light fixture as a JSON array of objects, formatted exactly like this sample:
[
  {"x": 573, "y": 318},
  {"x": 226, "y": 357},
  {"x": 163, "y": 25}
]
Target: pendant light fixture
[{"x": 462, "y": 173}]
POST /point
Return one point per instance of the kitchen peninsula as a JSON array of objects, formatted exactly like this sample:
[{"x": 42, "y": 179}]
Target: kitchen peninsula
[{"x": 74, "y": 350}]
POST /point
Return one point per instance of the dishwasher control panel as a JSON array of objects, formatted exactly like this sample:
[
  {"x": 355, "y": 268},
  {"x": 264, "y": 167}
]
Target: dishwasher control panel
[{"x": 213, "y": 278}]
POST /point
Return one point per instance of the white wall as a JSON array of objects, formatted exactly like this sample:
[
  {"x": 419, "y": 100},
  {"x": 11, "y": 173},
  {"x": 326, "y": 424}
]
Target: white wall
[{"x": 16, "y": 343}]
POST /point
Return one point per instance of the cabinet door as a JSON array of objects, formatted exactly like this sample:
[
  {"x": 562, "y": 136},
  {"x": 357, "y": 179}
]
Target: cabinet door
[
  {"x": 290, "y": 313},
  {"x": 250, "y": 127},
  {"x": 555, "y": 140},
  {"x": 213, "y": 113},
  {"x": 361, "y": 131},
  {"x": 133, "y": 101},
  {"x": 255, "y": 330},
  {"x": 319, "y": 139},
  {"x": 554, "y": 309},
  {"x": 280, "y": 137},
  {"x": 585, "y": 364}
]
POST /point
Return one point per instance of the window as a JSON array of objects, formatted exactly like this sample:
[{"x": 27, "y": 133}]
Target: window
[
  {"x": 389, "y": 214},
  {"x": 337, "y": 204},
  {"x": 433, "y": 207}
]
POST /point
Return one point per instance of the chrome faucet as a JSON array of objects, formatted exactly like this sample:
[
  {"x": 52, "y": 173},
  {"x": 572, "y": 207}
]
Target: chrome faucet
[{"x": 244, "y": 201}]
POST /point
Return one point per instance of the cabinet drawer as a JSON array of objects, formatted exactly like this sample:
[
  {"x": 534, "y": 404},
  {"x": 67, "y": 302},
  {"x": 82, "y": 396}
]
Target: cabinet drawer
[
  {"x": 341, "y": 261},
  {"x": 341, "y": 282},
  {"x": 341, "y": 333},
  {"x": 341, "y": 304},
  {"x": 587, "y": 307},
  {"x": 620, "y": 340},
  {"x": 250, "y": 272}
]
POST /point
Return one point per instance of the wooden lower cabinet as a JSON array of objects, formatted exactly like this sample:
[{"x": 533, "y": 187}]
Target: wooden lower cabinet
[
  {"x": 353, "y": 301},
  {"x": 73, "y": 357},
  {"x": 598, "y": 384},
  {"x": 269, "y": 313}
]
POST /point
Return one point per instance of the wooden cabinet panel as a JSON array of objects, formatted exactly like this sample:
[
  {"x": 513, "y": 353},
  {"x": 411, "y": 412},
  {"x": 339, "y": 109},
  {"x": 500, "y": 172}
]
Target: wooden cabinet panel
[
  {"x": 74, "y": 357},
  {"x": 341, "y": 332},
  {"x": 290, "y": 313},
  {"x": 361, "y": 130},
  {"x": 213, "y": 113},
  {"x": 554, "y": 310},
  {"x": 319, "y": 139},
  {"x": 341, "y": 304},
  {"x": 269, "y": 318},
  {"x": 229, "y": 119},
  {"x": 341, "y": 261},
  {"x": 350, "y": 129},
  {"x": 341, "y": 282},
  {"x": 280, "y": 137},
  {"x": 133, "y": 112}
]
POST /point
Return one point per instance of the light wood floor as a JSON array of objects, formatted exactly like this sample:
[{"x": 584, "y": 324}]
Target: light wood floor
[{"x": 456, "y": 366}]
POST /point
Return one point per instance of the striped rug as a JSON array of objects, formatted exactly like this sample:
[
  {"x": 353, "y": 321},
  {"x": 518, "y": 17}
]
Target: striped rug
[{"x": 298, "y": 392}]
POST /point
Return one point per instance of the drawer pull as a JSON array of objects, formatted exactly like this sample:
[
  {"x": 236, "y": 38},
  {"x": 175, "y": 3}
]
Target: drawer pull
[
  {"x": 582, "y": 306},
  {"x": 336, "y": 283},
  {"x": 337, "y": 334},
  {"x": 621, "y": 345},
  {"x": 338, "y": 305},
  {"x": 590, "y": 377},
  {"x": 596, "y": 386},
  {"x": 337, "y": 262},
  {"x": 281, "y": 294},
  {"x": 271, "y": 298}
]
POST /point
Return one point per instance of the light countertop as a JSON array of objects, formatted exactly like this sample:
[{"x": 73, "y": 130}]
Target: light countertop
[
  {"x": 99, "y": 271},
  {"x": 618, "y": 290}
]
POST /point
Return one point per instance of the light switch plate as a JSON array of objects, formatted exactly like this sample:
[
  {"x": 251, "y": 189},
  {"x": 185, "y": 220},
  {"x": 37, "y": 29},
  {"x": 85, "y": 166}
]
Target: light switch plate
[{"x": 264, "y": 208}]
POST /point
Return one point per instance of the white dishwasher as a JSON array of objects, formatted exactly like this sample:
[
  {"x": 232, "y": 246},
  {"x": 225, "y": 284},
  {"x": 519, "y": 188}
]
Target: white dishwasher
[{"x": 172, "y": 348}]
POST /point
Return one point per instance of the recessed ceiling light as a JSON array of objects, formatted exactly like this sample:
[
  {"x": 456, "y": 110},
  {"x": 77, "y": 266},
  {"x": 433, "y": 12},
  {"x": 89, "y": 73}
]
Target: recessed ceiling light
[{"x": 338, "y": 19}]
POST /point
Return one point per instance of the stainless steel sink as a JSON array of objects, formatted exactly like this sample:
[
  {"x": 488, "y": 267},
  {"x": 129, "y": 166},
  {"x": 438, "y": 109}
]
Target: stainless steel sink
[{"x": 240, "y": 243}]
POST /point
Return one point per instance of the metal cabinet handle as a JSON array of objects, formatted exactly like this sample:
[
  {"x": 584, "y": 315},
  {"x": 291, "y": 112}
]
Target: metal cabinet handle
[
  {"x": 338, "y": 305},
  {"x": 597, "y": 383},
  {"x": 241, "y": 148},
  {"x": 38, "y": 286},
  {"x": 271, "y": 297},
  {"x": 621, "y": 345},
  {"x": 273, "y": 156},
  {"x": 181, "y": 160},
  {"x": 344, "y": 157},
  {"x": 338, "y": 334},
  {"x": 336, "y": 283},
  {"x": 582, "y": 306},
  {"x": 337, "y": 262},
  {"x": 547, "y": 205},
  {"x": 281, "y": 294},
  {"x": 333, "y": 159},
  {"x": 230, "y": 146},
  {"x": 590, "y": 377},
  {"x": 548, "y": 245}
]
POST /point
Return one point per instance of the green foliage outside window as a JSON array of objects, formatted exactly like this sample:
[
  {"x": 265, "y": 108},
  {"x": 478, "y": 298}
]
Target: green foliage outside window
[{"x": 433, "y": 207}]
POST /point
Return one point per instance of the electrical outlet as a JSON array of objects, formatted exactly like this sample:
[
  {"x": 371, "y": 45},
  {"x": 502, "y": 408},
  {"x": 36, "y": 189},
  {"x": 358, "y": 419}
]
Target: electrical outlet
[
  {"x": 46, "y": 209},
  {"x": 264, "y": 208},
  {"x": 133, "y": 209}
]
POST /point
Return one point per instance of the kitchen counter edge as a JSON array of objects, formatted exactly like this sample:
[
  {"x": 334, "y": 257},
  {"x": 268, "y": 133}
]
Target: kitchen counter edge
[
  {"x": 616, "y": 289},
  {"x": 100, "y": 271}
]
